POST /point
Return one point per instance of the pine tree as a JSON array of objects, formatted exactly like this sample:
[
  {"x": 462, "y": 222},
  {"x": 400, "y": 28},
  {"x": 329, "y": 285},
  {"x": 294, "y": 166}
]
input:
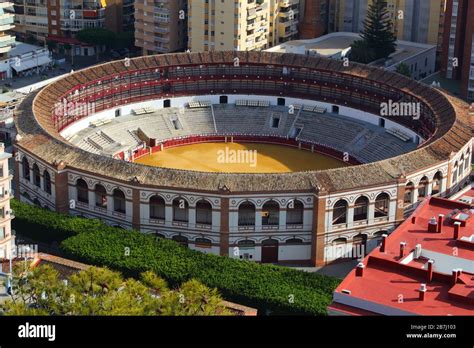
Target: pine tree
[{"x": 378, "y": 30}]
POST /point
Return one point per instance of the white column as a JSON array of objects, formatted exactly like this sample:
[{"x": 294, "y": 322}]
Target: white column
[
  {"x": 350, "y": 217},
  {"x": 371, "y": 213},
  {"x": 91, "y": 197},
  {"x": 282, "y": 219},
  {"x": 192, "y": 216},
  {"x": 258, "y": 219},
  {"x": 168, "y": 214},
  {"x": 329, "y": 217},
  {"x": 414, "y": 196},
  {"x": 392, "y": 209},
  {"x": 110, "y": 204},
  {"x": 443, "y": 185},
  {"x": 429, "y": 188}
]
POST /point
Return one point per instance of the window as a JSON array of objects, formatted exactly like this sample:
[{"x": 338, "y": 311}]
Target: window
[
  {"x": 180, "y": 210},
  {"x": 82, "y": 191},
  {"x": 294, "y": 241},
  {"x": 247, "y": 214},
  {"x": 423, "y": 187},
  {"x": 360, "y": 208},
  {"x": 119, "y": 201},
  {"x": 157, "y": 208},
  {"x": 36, "y": 176},
  {"x": 294, "y": 213},
  {"x": 203, "y": 213},
  {"x": 270, "y": 214},
  {"x": 47, "y": 182},
  {"x": 409, "y": 188},
  {"x": 382, "y": 205},
  {"x": 26, "y": 169},
  {"x": 100, "y": 196},
  {"x": 181, "y": 240},
  {"x": 339, "y": 215},
  {"x": 203, "y": 243}
]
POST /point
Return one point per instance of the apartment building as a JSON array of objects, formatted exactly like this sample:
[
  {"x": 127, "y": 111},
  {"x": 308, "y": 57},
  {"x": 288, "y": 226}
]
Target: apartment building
[
  {"x": 7, "y": 239},
  {"x": 60, "y": 20},
  {"x": 245, "y": 25},
  {"x": 161, "y": 25},
  {"x": 6, "y": 40},
  {"x": 413, "y": 20},
  {"x": 457, "y": 59}
]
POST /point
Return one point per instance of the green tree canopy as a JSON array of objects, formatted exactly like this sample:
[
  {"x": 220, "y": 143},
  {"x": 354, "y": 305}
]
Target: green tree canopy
[
  {"x": 100, "y": 291},
  {"x": 403, "y": 69},
  {"x": 377, "y": 34},
  {"x": 96, "y": 36},
  {"x": 361, "y": 52}
]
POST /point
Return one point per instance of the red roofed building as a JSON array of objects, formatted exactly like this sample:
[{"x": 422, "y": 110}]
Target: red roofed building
[{"x": 425, "y": 267}]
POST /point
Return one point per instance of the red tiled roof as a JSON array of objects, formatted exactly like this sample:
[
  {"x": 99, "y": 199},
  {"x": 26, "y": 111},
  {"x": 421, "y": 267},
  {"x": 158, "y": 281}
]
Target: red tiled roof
[{"x": 390, "y": 284}]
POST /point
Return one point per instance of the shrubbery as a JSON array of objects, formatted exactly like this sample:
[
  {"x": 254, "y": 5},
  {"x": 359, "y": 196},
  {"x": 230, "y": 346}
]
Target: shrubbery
[{"x": 279, "y": 289}]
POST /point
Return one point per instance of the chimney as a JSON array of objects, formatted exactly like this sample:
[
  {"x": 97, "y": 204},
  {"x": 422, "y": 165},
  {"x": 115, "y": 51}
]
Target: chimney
[
  {"x": 430, "y": 270},
  {"x": 384, "y": 242},
  {"x": 457, "y": 226},
  {"x": 402, "y": 249},
  {"x": 413, "y": 220},
  {"x": 454, "y": 277},
  {"x": 417, "y": 252},
  {"x": 440, "y": 222},
  {"x": 422, "y": 291},
  {"x": 360, "y": 269}
]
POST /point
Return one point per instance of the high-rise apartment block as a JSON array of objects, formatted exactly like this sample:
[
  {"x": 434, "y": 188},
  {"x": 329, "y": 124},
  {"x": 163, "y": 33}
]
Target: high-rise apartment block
[
  {"x": 245, "y": 25},
  {"x": 7, "y": 239},
  {"x": 60, "y": 20},
  {"x": 161, "y": 25},
  {"x": 413, "y": 20},
  {"x": 6, "y": 24},
  {"x": 457, "y": 60}
]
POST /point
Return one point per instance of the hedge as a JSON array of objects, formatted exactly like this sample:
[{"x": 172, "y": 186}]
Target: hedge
[{"x": 279, "y": 289}]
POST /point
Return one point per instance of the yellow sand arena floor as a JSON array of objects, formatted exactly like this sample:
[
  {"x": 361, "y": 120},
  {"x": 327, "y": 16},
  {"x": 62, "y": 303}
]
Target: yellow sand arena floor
[{"x": 240, "y": 158}]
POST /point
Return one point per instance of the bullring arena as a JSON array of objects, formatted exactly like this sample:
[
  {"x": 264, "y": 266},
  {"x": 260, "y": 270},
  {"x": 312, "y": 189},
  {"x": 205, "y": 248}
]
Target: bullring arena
[{"x": 134, "y": 143}]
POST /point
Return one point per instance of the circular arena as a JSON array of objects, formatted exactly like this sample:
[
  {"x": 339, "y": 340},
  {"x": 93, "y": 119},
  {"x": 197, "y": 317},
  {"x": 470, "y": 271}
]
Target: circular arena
[{"x": 260, "y": 156}]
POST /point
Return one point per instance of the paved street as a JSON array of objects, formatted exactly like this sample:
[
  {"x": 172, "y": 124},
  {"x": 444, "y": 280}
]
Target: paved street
[{"x": 338, "y": 269}]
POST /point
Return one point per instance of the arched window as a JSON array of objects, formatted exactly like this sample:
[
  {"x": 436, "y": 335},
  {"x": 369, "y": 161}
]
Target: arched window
[
  {"x": 409, "y": 188},
  {"x": 361, "y": 208},
  {"x": 181, "y": 240},
  {"x": 461, "y": 166},
  {"x": 339, "y": 241},
  {"x": 270, "y": 214},
  {"x": 436, "y": 185},
  {"x": 100, "y": 196},
  {"x": 455, "y": 172},
  {"x": 26, "y": 169},
  {"x": 423, "y": 188},
  {"x": 381, "y": 205},
  {"x": 82, "y": 191},
  {"x": 247, "y": 214},
  {"x": 203, "y": 212},
  {"x": 467, "y": 160},
  {"x": 157, "y": 208},
  {"x": 246, "y": 244},
  {"x": 36, "y": 176},
  {"x": 294, "y": 241},
  {"x": 47, "y": 182},
  {"x": 119, "y": 201},
  {"x": 339, "y": 214},
  {"x": 180, "y": 210},
  {"x": 294, "y": 213},
  {"x": 37, "y": 202},
  {"x": 203, "y": 243}
]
